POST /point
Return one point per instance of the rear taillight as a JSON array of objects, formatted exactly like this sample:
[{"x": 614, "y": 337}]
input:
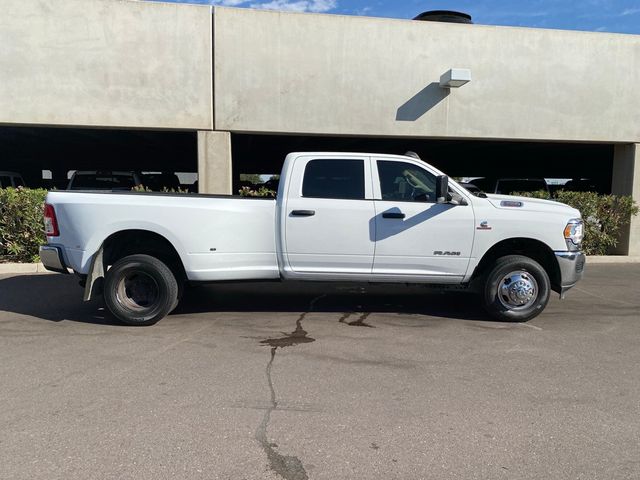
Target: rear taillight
[{"x": 50, "y": 221}]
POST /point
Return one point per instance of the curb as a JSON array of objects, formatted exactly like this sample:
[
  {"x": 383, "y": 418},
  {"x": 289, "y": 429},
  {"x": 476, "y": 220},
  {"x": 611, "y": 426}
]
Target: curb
[
  {"x": 617, "y": 259},
  {"x": 18, "y": 268}
]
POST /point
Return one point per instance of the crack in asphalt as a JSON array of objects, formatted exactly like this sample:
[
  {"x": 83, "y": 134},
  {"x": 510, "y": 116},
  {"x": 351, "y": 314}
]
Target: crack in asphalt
[
  {"x": 359, "y": 322},
  {"x": 288, "y": 467}
]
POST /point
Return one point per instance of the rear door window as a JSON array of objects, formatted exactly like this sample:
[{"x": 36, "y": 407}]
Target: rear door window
[
  {"x": 5, "y": 181},
  {"x": 340, "y": 179}
]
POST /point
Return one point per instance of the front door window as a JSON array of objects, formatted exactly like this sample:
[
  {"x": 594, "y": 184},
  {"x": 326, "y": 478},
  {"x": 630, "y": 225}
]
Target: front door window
[{"x": 405, "y": 182}]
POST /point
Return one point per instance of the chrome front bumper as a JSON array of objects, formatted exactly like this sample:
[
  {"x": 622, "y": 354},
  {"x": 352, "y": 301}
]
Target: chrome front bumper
[
  {"x": 52, "y": 259},
  {"x": 571, "y": 269}
]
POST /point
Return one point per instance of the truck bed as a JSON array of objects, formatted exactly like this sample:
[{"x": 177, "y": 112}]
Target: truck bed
[{"x": 217, "y": 237}]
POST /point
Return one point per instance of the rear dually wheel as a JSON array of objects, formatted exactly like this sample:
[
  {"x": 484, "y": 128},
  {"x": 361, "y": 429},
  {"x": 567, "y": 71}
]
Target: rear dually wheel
[{"x": 140, "y": 290}]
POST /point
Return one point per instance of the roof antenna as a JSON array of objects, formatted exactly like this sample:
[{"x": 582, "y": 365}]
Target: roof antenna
[{"x": 412, "y": 154}]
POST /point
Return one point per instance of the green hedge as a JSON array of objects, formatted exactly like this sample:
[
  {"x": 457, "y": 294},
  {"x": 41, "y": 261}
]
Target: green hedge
[
  {"x": 262, "y": 191},
  {"x": 21, "y": 224},
  {"x": 604, "y": 216}
]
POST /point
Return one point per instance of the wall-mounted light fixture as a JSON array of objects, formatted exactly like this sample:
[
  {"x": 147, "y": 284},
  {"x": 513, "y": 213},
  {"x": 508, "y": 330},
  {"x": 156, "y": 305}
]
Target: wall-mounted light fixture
[{"x": 455, "y": 78}]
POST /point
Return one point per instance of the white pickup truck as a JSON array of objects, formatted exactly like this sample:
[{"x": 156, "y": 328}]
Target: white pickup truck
[{"x": 338, "y": 217}]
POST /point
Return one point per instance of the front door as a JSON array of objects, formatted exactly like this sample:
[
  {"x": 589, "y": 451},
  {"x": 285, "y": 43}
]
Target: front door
[
  {"x": 415, "y": 235},
  {"x": 329, "y": 222}
]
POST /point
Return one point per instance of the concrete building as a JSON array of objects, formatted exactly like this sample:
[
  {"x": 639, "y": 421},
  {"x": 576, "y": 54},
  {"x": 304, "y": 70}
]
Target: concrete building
[{"x": 222, "y": 91}]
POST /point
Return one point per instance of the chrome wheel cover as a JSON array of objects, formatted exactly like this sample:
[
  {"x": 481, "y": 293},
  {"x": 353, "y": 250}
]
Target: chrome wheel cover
[{"x": 518, "y": 290}]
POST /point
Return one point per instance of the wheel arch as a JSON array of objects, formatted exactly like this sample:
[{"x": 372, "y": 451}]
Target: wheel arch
[
  {"x": 131, "y": 242},
  {"x": 528, "y": 247},
  {"x": 137, "y": 241}
]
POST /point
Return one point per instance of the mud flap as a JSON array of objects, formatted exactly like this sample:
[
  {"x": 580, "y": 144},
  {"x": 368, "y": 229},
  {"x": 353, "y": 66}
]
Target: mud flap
[{"x": 95, "y": 276}]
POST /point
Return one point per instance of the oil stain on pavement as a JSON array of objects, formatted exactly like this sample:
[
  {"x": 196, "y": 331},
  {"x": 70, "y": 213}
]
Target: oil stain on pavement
[
  {"x": 299, "y": 335},
  {"x": 359, "y": 322}
]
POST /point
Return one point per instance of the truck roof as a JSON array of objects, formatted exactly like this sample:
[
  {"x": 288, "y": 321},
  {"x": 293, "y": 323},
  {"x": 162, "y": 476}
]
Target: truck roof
[{"x": 355, "y": 154}]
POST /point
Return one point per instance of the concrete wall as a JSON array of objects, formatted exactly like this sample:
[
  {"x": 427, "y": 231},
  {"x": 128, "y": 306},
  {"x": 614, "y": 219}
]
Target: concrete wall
[
  {"x": 626, "y": 181},
  {"x": 120, "y": 63},
  {"x": 106, "y": 63},
  {"x": 327, "y": 74}
]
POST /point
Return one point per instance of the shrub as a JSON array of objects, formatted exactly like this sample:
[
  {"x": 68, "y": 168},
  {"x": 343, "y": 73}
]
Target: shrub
[
  {"x": 21, "y": 224},
  {"x": 260, "y": 192},
  {"x": 604, "y": 216},
  {"x": 145, "y": 189},
  {"x": 22, "y": 230},
  {"x": 543, "y": 194}
]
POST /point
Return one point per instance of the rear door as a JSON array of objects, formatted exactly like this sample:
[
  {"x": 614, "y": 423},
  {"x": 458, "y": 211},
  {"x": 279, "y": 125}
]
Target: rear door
[
  {"x": 414, "y": 235},
  {"x": 329, "y": 216}
]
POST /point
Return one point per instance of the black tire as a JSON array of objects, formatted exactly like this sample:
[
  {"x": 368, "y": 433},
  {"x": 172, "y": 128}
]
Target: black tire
[
  {"x": 139, "y": 290},
  {"x": 515, "y": 279},
  {"x": 181, "y": 286}
]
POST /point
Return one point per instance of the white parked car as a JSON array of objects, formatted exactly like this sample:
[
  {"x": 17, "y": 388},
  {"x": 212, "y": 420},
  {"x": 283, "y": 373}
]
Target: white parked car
[{"x": 337, "y": 217}]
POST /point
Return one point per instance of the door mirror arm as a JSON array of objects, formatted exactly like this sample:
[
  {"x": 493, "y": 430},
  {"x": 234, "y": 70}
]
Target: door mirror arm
[{"x": 455, "y": 199}]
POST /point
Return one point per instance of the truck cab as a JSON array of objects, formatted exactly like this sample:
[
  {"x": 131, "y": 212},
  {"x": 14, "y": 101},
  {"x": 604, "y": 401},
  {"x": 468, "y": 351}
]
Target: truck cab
[{"x": 354, "y": 217}]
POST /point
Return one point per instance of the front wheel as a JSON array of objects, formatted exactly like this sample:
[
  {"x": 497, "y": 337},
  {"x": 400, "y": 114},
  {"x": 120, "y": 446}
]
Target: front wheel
[
  {"x": 516, "y": 289},
  {"x": 140, "y": 290}
]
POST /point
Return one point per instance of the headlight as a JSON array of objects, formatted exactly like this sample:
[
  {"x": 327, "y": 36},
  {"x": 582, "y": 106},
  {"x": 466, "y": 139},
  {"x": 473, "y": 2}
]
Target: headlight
[{"x": 574, "y": 233}]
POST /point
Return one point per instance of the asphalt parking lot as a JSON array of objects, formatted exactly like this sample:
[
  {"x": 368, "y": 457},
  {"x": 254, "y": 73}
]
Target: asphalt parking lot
[{"x": 264, "y": 381}]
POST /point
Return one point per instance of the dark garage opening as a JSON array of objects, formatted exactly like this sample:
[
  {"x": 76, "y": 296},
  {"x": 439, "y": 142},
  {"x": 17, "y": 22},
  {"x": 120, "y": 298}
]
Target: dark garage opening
[
  {"x": 32, "y": 150},
  {"x": 264, "y": 154}
]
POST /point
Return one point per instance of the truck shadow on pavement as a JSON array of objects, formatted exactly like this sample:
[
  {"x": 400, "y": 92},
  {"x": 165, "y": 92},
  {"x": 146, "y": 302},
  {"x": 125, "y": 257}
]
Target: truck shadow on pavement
[
  {"x": 56, "y": 298},
  {"x": 50, "y": 297}
]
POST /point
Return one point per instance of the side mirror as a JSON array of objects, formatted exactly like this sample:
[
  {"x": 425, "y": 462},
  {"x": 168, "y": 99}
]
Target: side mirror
[{"x": 442, "y": 189}]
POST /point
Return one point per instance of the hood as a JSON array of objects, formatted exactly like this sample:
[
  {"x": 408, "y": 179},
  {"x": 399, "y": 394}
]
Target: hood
[{"x": 509, "y": 202}]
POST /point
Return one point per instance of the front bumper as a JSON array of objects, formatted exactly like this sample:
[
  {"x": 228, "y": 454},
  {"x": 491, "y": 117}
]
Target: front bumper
[
  {"x": 52, "y": 259},
  {"x": 571, "y": 269}
]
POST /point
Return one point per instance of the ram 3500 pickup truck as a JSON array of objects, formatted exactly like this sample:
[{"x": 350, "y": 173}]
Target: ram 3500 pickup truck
[{"x": 337, "y": 217}]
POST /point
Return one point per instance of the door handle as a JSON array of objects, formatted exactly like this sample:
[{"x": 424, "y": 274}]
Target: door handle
[
  {"x": 399, "y": 215},
  {"x": 303, "y": 213}
]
